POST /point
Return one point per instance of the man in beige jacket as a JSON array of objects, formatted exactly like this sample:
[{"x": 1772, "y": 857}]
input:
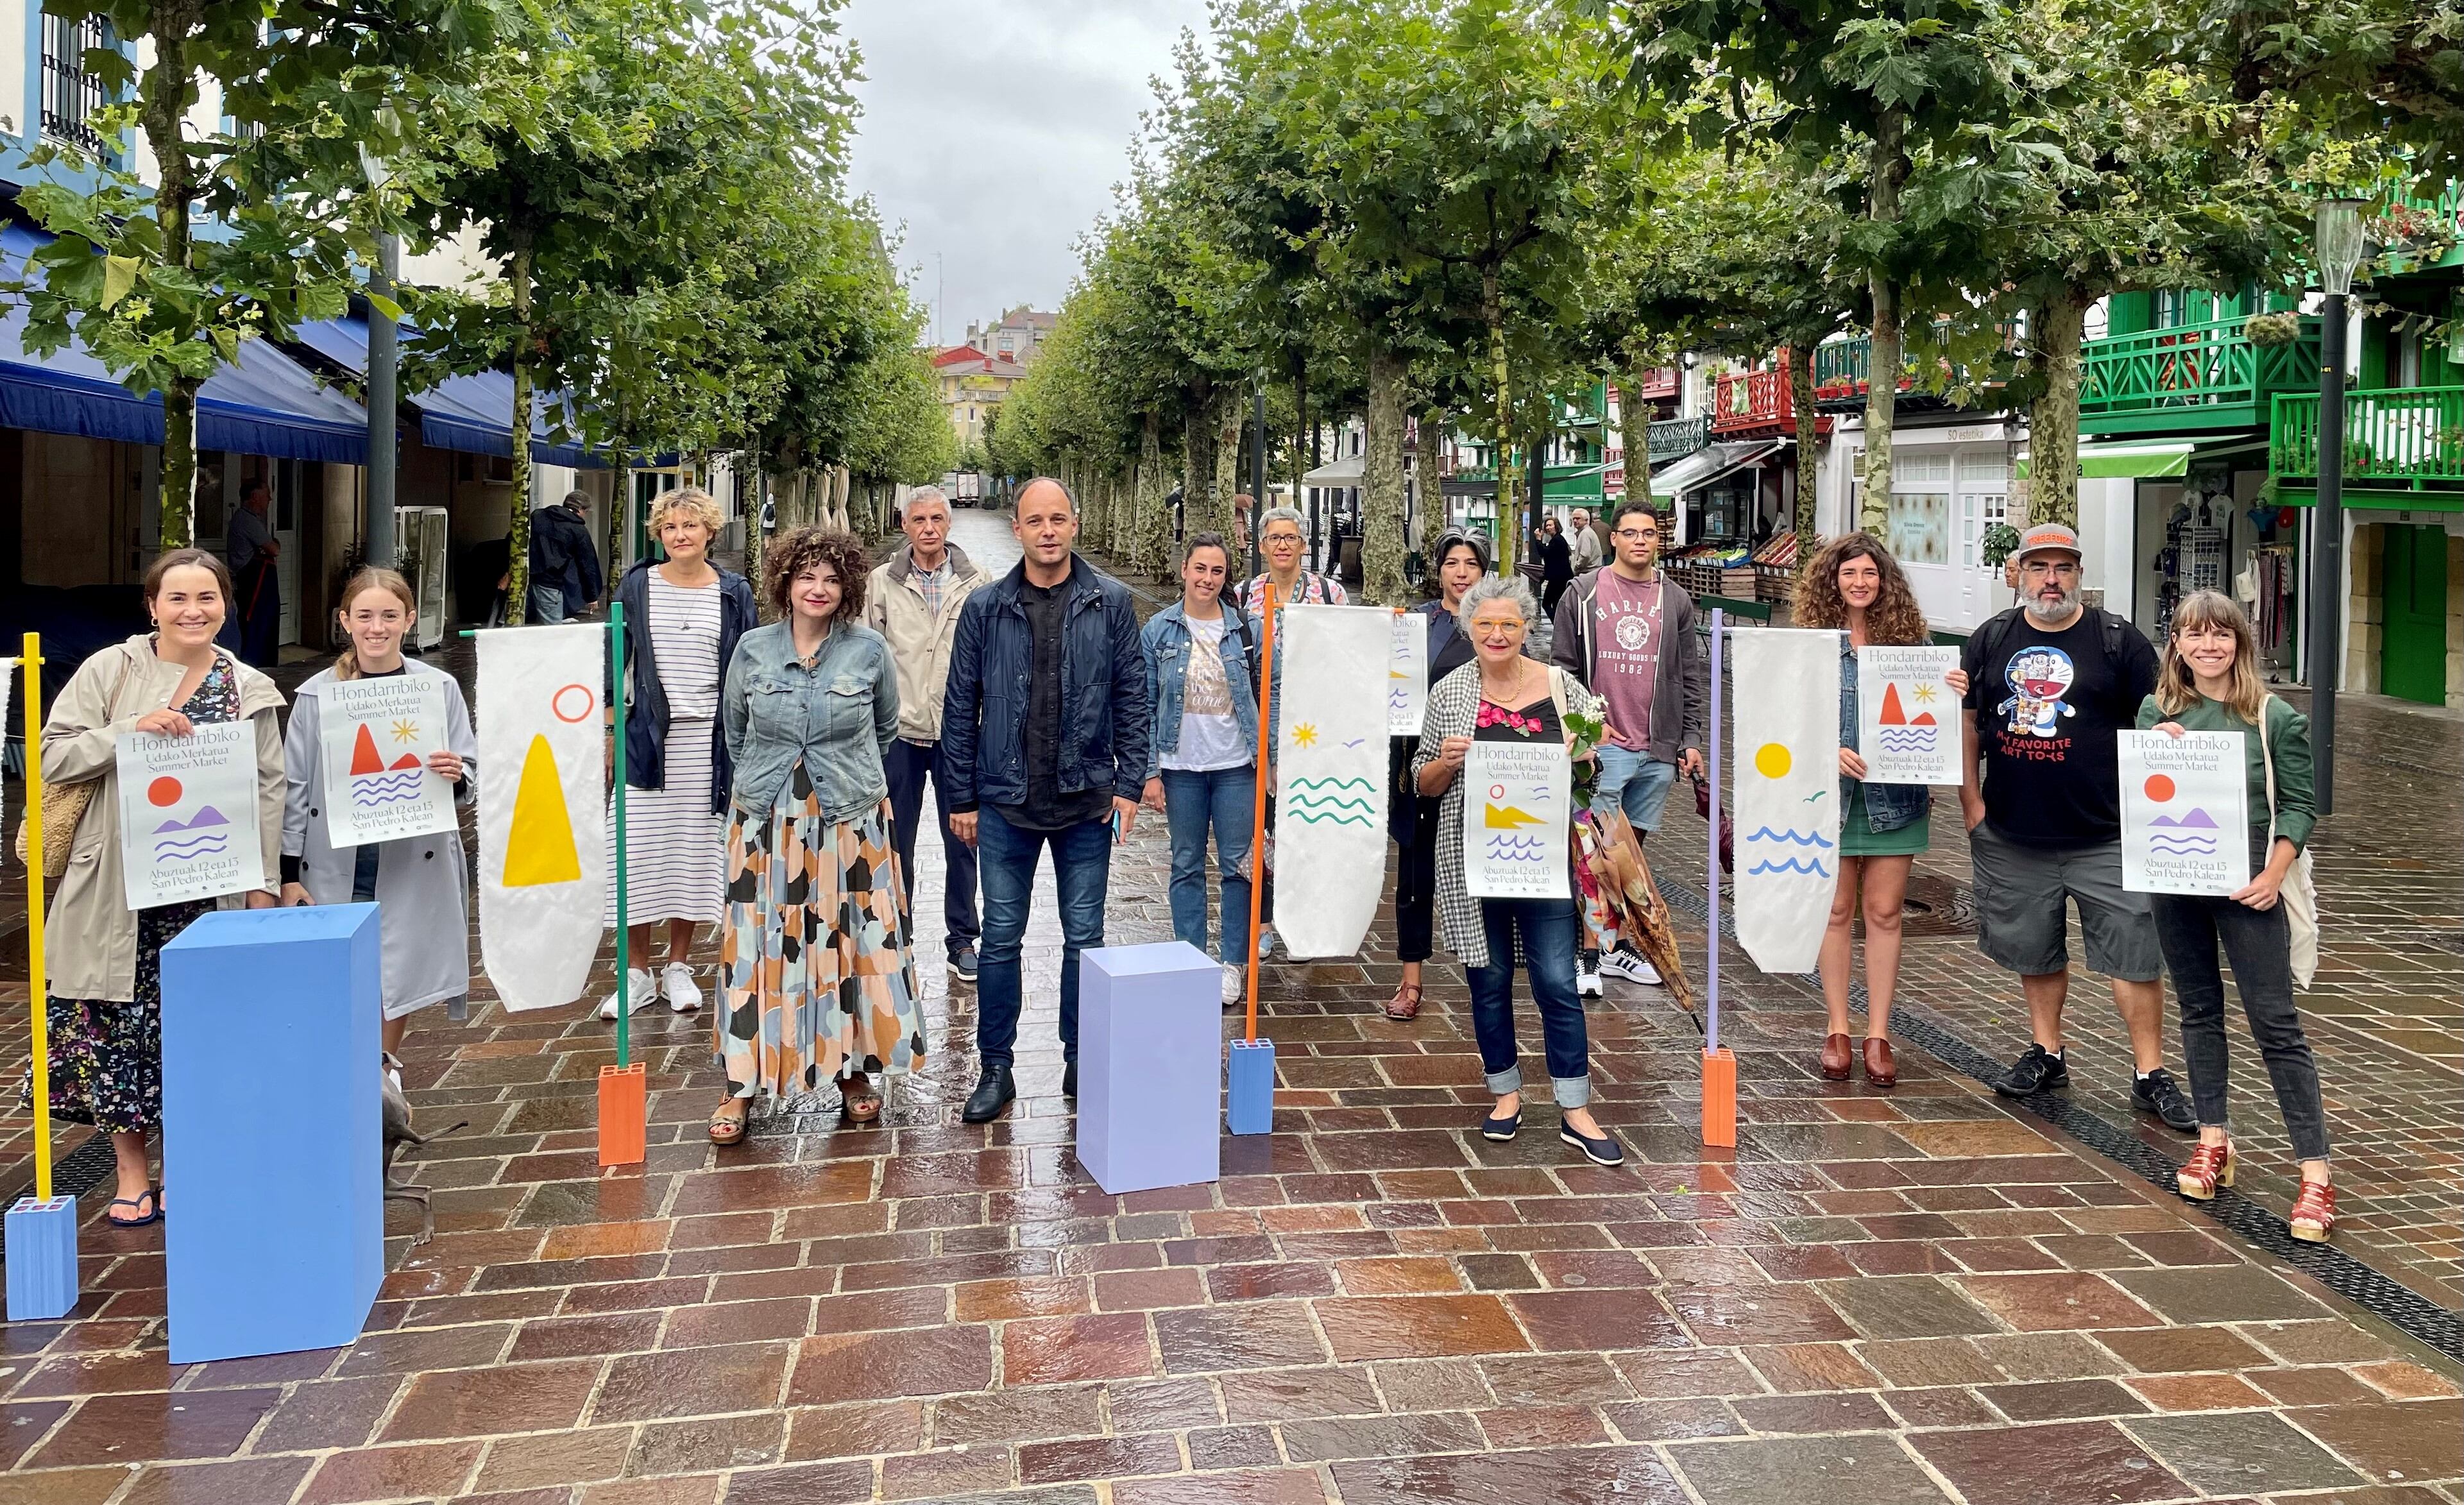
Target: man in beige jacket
[{"x": 913, "y": 602}]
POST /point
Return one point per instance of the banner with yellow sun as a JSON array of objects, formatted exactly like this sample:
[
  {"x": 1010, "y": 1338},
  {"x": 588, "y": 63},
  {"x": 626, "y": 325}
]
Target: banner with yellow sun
[
  {"x": 1787, "y": 791},
  {"x": 1329, "y": 858}
]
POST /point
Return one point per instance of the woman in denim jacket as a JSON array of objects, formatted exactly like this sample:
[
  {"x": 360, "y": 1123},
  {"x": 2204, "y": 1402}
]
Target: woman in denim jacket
[
  {"x": 1856, "y": 587},
  {"x": 817, "y": 959},
  {"x": 1202, "y": 655}
]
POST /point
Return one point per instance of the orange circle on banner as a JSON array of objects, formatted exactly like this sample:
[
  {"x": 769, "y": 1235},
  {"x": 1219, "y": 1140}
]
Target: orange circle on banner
[
  {"x": 589, "y": 698},
  {"x": 2160, "y": 789},
  {"x": 165, "y": 790}
]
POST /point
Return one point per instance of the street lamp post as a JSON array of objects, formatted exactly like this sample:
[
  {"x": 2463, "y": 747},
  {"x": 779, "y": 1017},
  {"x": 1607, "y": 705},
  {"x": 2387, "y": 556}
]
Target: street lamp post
[
  {"x": 1257, "y": 469},
  {"x": 2339, "y": 250}
]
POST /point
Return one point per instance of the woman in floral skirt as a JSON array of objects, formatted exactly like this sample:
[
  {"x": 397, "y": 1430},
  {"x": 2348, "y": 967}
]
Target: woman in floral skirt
[{"x": 817, "y": 962}]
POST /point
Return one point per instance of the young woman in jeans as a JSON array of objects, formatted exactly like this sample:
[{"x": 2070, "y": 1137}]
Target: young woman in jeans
[
  {"x": 2209, "y": 682},
  {"x": 1856, "y": 587},
  {"x": 1503, "y": 695},
  {"x": 1202, "y": 656}
]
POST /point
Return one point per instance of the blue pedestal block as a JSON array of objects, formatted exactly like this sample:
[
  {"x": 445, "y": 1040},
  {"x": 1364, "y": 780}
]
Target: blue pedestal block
[
  {"x": 1249, "y": 1089},
  {"x": 42, "y": 1258},
  {"x": 1148, "y": 1021},
  {"x": 272, "y": 1130}
]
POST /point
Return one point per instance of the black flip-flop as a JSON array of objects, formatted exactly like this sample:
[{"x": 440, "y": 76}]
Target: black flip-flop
[{"x": 149, "y": 1195}]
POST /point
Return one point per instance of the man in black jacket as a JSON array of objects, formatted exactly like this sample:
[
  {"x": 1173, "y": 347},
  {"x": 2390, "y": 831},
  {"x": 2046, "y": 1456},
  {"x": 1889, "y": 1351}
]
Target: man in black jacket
[{"x": 564, "y": 563}]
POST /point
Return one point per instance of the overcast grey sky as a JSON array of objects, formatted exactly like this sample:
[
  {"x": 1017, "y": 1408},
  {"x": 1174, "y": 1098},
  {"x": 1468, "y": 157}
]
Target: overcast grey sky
[{"x": 995, "y": 129}]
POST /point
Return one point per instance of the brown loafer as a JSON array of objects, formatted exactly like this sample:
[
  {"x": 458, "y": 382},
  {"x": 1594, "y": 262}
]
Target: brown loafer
[
  {"x": 1881, "y": 1070},
  {"x": 1836, "y": 1056}
]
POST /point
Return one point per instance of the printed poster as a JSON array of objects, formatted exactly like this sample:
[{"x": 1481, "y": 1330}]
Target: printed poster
[
  {"x": 1787, "y": 791},
  {"x": 1908, "y": 715},
  {"x": 542, "y": 823},
  {"x": 1516, "y": 800},
  {"x": 1330, "y": 776},
  {"x": 1407, "y": 678},
  {"x": 187, "y": 814},
  {"x": 2185, "y": 828},
  {"x": 377, "y": 736}
]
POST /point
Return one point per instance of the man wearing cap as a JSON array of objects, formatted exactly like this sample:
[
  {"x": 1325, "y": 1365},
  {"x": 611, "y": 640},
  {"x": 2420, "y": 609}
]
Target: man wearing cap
[{"x": 2052, "y": 682}]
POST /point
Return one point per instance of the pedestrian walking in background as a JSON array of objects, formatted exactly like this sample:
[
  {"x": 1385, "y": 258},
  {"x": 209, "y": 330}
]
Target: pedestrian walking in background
[
  {"x": 1585, "y": 541},
  {"x": 2209, "y": 682},
  {"x": 1627, "y": 632},
  {"x": 420, "y": 884},
  {"x": 565, "y": 577},
  {"x": 683, "y": 618},
  {"x": 254, "y": 620},
  {"x": 1503, "y": 695},
  {"x": 1204, "y": 656},
  {"x": 1411, "y": 819},
  {"x": 2049, "y": 683},
  {"x": 1857, "y": 587},
  {"x": 1556, "y": 566},
  {"x": 914, "y": 603},
  {"x": 1043, "y": 735},
  {"x": 817, "y": 962},
  {"x": 105, "y": 1010}
]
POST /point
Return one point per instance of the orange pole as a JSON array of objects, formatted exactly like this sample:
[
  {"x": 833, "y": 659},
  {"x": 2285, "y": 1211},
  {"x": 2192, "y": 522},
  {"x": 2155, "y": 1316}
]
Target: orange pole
[{"x": 1258, "y": 816}]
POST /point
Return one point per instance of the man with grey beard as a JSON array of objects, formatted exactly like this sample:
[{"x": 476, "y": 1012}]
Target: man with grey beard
[{"x": 2051, "y": 683}]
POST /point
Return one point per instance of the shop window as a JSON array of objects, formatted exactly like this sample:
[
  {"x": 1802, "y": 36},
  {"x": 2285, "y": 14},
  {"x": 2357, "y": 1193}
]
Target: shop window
[
  {"x": 1919, "y": 527},
  {"x": 71, "y": 92}
]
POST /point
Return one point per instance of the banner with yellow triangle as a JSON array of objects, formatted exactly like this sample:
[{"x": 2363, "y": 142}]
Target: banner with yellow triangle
[{"x": 543, "y": 856}]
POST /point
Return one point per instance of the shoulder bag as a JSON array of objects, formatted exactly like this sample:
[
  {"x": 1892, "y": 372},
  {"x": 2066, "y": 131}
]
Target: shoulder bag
[
  {"x": 2299, "y": 893},
  {"x": 64, "y": 803}
]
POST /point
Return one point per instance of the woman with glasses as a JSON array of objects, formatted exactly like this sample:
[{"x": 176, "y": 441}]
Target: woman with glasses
[
  {"x": 1462, "y": 561},
  {"x": 1503, "y": 695}
]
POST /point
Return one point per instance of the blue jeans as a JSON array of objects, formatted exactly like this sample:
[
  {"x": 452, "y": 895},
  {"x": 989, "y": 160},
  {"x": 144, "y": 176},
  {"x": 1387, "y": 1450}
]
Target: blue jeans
[
  {"x": 1637, "y": 783},
  {"x": 1225, "y": 799},
  {"x": 1082, "y": 866},
  {"x": 907, "y": 764},
  {"x": 547, "y": 604},
  {"x": 1550, "y": 932}
]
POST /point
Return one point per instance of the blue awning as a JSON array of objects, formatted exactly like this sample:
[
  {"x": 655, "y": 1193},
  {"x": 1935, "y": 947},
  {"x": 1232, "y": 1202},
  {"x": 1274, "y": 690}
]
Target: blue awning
[
  {"x": 469, "y": 414},
  {"x": 264, "y": 403}
]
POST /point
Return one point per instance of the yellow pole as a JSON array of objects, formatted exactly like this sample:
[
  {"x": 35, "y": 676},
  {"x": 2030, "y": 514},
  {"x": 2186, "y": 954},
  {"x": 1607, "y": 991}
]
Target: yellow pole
[{"x": 38, "y": 985}]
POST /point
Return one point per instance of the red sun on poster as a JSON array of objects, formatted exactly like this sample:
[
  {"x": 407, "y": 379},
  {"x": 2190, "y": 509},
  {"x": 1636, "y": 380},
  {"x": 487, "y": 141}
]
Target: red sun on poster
[
  {"x": 165, "y": 790},
  {"x": 2160, "y": 789}
]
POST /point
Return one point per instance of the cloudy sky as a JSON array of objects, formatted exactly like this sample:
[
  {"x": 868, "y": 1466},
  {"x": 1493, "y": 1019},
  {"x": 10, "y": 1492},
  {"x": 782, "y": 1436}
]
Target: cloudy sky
[{"x": 995, "y": 129}]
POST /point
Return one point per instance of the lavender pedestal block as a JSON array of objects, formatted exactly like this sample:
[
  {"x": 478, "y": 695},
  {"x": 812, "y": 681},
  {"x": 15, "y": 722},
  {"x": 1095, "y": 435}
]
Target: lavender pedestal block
[
  {"x": 42, "y": 1258},
  {"x": 1150, "y": 1023},
  {"x": 1249, "y": 1086}
]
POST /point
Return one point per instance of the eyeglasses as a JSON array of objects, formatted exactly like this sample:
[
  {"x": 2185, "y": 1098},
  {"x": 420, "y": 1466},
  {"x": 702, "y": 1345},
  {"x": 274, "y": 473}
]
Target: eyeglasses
[
  {"x": 2059, "y": 567},
  {"x": 1637, "y": 534},
  {"x": 1485, "y": 629}
]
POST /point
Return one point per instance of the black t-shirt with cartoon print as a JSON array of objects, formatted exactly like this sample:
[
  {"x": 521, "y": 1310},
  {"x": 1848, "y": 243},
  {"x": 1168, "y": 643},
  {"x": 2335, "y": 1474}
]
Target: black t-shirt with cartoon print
[{"x": 2048, "y": 706}]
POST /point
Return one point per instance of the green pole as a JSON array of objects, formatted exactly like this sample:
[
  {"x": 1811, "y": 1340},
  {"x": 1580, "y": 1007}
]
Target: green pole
[{"x": 616, "y": 720}]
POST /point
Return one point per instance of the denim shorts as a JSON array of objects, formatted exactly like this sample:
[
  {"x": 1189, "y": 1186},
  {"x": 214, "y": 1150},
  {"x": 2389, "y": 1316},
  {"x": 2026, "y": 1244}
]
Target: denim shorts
[
  {"x": 2021, "y": 922},
  {"x": 1638, "y": 781}
]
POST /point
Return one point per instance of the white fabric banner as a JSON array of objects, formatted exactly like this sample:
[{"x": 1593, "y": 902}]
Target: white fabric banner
[
  {"x": 2184, "y": 821},
  {"x": 1786, "y": 689},
  {"x": 1907, "y": 718},
  {"x": 187, "y": 814},
  {"x": 1516, "y": 800},
  {"x": 542, "y": 832},
  {"x": 1330, "y": 776},
  {"x": 377, "y": 736},
  {"x": 1407, "y": 678}
]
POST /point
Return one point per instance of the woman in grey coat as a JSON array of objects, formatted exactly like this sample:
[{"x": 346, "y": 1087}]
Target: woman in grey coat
[{"x": 419, "y": 883}]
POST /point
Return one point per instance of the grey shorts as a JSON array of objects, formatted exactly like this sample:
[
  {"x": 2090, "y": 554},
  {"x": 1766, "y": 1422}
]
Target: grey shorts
[{"x": 2019, "y": 916}]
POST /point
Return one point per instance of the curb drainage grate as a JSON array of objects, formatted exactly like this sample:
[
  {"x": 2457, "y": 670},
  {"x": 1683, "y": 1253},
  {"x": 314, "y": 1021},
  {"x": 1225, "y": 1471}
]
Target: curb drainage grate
[{"x": 2381, "y": 1295}]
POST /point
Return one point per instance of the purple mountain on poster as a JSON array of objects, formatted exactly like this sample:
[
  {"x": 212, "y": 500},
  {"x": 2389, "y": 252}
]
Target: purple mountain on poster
[
  {"x": 2197, "y": 819},
  {"x": 206, "y": 816}
]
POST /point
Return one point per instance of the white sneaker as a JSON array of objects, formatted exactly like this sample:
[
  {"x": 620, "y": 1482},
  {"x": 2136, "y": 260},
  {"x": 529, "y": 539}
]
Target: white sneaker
[
  {"x": 642, "y": 992},
  {"x": 683, "y": 997},
  {"x": 1587, "y": 979},
  {"x": 1265, "y": 941},
  {"x": 1631, "y": 967},
  {"x": 1236, "y": 984}
]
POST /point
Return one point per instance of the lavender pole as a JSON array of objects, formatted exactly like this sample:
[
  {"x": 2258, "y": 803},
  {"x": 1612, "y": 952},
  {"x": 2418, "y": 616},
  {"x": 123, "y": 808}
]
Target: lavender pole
[{"x": 1711, "y": 862}]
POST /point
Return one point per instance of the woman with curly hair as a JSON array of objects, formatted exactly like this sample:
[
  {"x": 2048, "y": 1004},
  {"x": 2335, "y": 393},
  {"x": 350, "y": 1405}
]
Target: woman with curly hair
[
  {"x": 1857, "y": 587},
  {"x": 817, "y": 961}
]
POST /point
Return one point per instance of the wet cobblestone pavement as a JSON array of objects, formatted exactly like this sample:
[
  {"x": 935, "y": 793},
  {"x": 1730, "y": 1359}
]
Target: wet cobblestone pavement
[{"x": 1918, "y": 1296}]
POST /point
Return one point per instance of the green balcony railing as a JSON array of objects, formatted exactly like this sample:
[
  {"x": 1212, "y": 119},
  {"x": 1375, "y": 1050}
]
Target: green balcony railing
[
  {"x": 1675, "y": 439},
  {"x": 2191, "y": 366},
  {"x": 2403, "y": 434}
]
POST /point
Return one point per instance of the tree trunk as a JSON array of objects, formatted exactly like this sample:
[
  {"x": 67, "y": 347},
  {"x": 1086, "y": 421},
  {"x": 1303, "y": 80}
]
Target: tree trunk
[
  {"x": 161, "y": 113},
  {"x": 518, "y": 539},
  {"x": 1809, "y": 460},
  {"x": 753, "y": 526},
  {"x": 1153, "y": 519},
  {"x": 1889, "y": 165},
  {"x": 620, "y": 514},
  {"x": 1230, "y": 428},
  {"x": 1434, "y": 516},
  {"x": 1633, "y": 432},
  {"x": 2053, "y": 417},
  {"x": 1381, "y": 483},
  {"x": 1198, "y": 472},
  {"x": 1510, "y": 528}
]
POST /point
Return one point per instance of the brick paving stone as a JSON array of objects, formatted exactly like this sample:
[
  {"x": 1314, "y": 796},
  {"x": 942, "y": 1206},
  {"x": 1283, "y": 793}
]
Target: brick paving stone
[{"x": 1904, "y": 1294}]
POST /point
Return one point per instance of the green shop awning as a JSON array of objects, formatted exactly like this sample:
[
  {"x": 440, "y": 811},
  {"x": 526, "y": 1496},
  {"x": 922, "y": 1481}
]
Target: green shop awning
[{"x": 2151, "y": 459}]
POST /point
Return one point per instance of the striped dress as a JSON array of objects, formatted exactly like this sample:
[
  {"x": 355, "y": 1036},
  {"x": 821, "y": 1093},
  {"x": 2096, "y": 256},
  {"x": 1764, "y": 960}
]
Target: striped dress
[{"x": 675, "y": 846}]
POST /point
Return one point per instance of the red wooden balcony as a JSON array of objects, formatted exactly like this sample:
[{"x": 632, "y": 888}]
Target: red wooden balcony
[
  {"x": 1658, "y": 384},
  {"x": 1747, "y": 403}
]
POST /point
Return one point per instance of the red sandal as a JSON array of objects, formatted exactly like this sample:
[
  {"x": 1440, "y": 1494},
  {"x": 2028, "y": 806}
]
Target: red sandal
[
  {"x": 1405, "y": 1006},
  {"x": 2210, "y": 1167},
  {"x": 2314, "y": 1212}
]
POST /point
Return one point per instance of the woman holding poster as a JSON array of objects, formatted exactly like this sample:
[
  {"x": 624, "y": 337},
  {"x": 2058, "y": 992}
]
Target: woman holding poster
[
  {"x": 105, "y": 1010},
  {"x": 368, "y": 737},
  {"x": 1462, "y": 558},
  {"x": 1855, "y": 586},
  {"x": 2207, "y": 682},
  {"x": 1505, "y": 698}
]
